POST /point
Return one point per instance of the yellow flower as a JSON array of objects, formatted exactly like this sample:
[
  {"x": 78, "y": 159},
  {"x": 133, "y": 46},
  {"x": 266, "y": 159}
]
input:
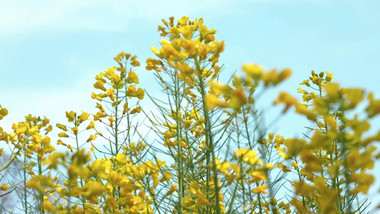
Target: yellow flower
[
  {"x": 70, "y": 147},
  {"x": 187, "y": 31},
  {"x": 183, "y": 20},
  {"x": 53, "y": 160},
  {"x": 313, "y": 163},
  {"x": 329, "y": 76},
  {"x": 373, "y": 108},
  {"x": 75, "y": 130},
  {"x": 99, "y": 85},
  {"x": 190, "y": 47},
  {"x": 91, "y": 125},
  {"x": 111, "y": 94},
  {"x": 270, "y": 77},
  {"x": 155, "y": 51},
  {"x": 171, "y": 190},
  {"x": 99, "y": 115},
  {"x": 258, "y": 176},
  {"x": 134, "y": 61},
  {"x": 93, "y": 188},
  {"x": 132, "y": 78},
  {"x": 140, "y": 93},
  {"x": 84, "y": 116},
  {"x": 136, "y": 110},
  {"x": 61, "y": 126},
  {"x": 48, "y": 206},
  {"x": 325, "y": 196},
  {"x": 202, "y": 200},
  {"x": 166, "y": 177},
  {"x": 212, "y": 102},
  {"x": 121, "y": 158},
  {"x": 4, "y": 187},
  {"x": 70, "y": 116},
  {"x": 253, "y": 71},
  {"x": 260, "y": 189},
  {"x": 287, "y": 99},
  {"x": 295, "y": 165},
  {"x": 131, "y": 91},
  {"x": 32, "y": 130},
  {"x": 3, "y": 112},
  {"x": 300, "y": 90},
  {"x": 354, "y": 95},
  {"x": 238, "y": 99},
  {"x": 101, "y": 168},
  {"x": 99, "y": 96},
  {"x": 185, "y": 70},
  {"x": 305, "y": 82},
  {"x": 48, "y": 129},
  {"x": 332, "y": 91},
  {"x": 111, "y": 120},
  {"x": 302, "y": 188},
  {"x": 39, "y": 182},
  {"x": 363, "y": 181},
  {"x": 154, "y": 64},
  {"x": 91, "y": 138},
  {"x": 222, "y": 167},
  {"x": 115, "y": 78},
  {"x": 155, "y": 179},
  {"x": 168, "y": 51},
  {"x": 283, "y": 167},
  {"x": 302, "y": 109},
  {"x": 20, "y": 128},
  {"x": 60, "y": 142},
  {"x": 247, "y": 156},
  {"x": 284, "y": 74},
  {"x": 63, "y": 134}
]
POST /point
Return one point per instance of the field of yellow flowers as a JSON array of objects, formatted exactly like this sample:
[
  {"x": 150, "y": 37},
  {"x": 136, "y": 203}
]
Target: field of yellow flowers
[{"x": 212, "y": 152}]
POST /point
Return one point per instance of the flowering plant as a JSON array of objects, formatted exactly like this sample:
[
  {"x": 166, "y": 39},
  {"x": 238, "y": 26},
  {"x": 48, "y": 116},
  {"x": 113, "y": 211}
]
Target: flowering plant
[{"x": 212, "y": 152}]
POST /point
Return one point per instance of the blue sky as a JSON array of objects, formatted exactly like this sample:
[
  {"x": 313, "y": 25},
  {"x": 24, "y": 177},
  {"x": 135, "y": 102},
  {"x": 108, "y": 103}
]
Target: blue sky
[{"x": 50, "y": 51}]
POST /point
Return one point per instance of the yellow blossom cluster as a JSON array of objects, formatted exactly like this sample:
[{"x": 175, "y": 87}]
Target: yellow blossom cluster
[{"x": 243, "y": 88}]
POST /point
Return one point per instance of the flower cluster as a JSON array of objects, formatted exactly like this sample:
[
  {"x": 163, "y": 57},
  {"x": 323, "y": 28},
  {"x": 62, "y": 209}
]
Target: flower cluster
[{"x": 220, "y": 154}]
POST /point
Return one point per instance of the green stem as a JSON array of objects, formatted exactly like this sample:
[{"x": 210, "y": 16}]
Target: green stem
[
  {"x": 68, "y": 196},
  {"x": 300, "y": 178},
  {"x": 41, "y": 195},
  {"x": 260, "y": 207},
  {"x": 179, "y": 146},
  {"x": 116, "y": 125},
  {"x": 209, "y": 139},
  {"x": 81, "y": 181},
  {"x": 347, "y": 178},
  {"x": 335, "y": 181},
  {"x": 25, "y": 192}
]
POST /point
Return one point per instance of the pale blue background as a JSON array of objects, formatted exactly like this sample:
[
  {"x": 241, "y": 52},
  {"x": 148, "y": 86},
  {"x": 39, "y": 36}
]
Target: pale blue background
[{"x": 50, "y": 51}]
